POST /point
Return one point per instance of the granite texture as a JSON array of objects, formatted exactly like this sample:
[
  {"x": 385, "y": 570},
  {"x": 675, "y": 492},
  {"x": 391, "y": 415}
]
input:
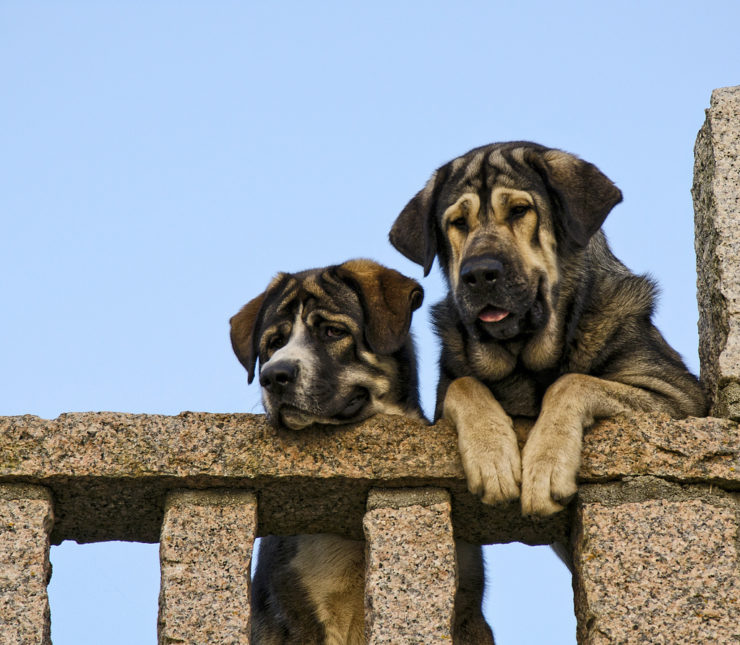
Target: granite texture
[
  {"x": 110, "y": 472},
  {"x": 685, "y": 450},
  {"x": 411, "y": 571},
  {"x": 26, "y": 517},
  {"x": 205, "y": 555},
  {"x": 655, "y": 570},
  {"x": 717, "y": 227}
]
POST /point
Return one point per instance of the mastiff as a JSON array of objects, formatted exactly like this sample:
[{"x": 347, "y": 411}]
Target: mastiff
[
  {"x": 541, "y": 320},
  {"x": 334, "y": 347}
]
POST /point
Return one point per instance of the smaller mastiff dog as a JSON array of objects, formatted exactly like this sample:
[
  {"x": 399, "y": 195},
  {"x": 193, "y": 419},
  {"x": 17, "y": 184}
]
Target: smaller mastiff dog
[
  {"x": 541, "y": 320},
  {"x": 334, "y": 347}
]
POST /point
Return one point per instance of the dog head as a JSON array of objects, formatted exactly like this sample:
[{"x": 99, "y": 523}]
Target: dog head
[
  {"x": 333, "y": 344},
  {"x": 501, "y": 219}
]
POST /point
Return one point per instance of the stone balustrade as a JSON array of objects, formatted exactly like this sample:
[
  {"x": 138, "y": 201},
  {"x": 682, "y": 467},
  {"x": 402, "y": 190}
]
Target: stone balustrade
[{"x": 205, "y": 485}]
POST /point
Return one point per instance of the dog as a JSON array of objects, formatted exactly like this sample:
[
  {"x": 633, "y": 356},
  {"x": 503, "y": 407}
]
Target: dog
[
  {"x": 540, "y": 321},
  {"x": 334, "y": 347}
]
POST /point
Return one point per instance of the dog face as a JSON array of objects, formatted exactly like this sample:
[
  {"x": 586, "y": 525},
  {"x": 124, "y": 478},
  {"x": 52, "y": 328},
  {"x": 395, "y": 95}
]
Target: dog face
[
  {"x": 501, "y": 219},
  {"x": 333, "y": 344}
]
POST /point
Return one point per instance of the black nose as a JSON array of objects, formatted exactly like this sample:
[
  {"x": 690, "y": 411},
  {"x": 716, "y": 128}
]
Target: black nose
[
  {"x": 481, "y": 271},
  {"x": 279, "y": 376}
]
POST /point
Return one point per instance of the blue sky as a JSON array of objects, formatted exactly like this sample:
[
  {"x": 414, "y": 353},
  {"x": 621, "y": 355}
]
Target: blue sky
[{"x": 159, "y": 162}]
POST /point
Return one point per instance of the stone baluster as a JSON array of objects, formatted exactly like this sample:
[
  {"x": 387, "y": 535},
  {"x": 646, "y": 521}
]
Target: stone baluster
[
  {"x": 206, "y": 554},
  {"x": 26, "y": 520},
  {"x": 411, "y": 567}
]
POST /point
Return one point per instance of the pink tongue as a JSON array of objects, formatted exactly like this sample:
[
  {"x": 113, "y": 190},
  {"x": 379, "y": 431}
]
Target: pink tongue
[{"x": 491, "y": 314}]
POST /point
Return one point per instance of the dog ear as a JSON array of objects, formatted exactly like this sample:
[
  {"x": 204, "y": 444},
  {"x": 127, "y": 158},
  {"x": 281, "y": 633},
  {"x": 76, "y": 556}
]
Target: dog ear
[
  {"x": 414, "y": 231},
  {"x": 243, "y": 336},
  {"x": 586, "y": 195},
  {"x": 388, "y": 299}
]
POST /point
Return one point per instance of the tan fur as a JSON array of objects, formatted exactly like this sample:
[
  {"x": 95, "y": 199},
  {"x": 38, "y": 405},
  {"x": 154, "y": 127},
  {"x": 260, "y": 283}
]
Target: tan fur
[
  {"x": 487, "y": 441},
  {"x": 332, "y": 570},
  {"x": 466, "y": 207},
  {"x": 552, "y": 454},
  {"x": 389, "y": 300}
]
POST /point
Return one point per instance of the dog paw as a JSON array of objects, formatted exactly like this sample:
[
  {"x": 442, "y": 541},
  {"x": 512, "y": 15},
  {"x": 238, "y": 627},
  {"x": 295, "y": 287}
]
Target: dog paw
[
  {"x": 492, "y": 466},
  {"x": 548, "y": 475}
]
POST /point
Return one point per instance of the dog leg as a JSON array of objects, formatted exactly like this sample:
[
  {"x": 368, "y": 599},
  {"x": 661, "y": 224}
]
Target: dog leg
[
  {"x": 331, "y": 569},
  {"x": 552, "y": 454},
  {"x": 485, "y": 435},
  {"x": 470, "y": 627}
]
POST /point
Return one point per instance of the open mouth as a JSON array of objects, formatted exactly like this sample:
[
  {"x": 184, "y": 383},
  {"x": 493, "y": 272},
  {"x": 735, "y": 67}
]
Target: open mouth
[
  {"x": 491, "y": 314},
  {"x": 498, "y": 324}
]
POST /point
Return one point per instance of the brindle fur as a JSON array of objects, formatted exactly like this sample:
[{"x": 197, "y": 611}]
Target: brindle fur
[
  {"x": 567, "y": 336},
  {"x": 334, "y": 347}
]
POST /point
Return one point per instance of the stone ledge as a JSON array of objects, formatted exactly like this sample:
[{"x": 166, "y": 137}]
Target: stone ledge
[
  {"x": 683, "y": 450},
  {"x": 110, "y": 472}
]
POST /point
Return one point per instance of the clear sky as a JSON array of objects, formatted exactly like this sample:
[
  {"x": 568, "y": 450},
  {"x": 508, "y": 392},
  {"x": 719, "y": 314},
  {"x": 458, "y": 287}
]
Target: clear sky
[{"x": 161, "y": 161}]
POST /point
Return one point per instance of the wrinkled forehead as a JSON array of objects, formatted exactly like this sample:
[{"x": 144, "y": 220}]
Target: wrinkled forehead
[
  {"x": 485, "y": 169},
  {"x": 312, "y": 291}
]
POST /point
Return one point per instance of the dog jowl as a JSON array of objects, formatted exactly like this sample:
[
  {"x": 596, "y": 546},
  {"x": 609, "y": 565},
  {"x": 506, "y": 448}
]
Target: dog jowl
[
  {"x": 334, "y": 347},
  {"x": 541, "y": 320}
]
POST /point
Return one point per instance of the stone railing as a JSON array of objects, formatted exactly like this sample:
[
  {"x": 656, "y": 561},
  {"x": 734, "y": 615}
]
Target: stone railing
[
  {"x": 654, "y": 531},
  {"x": 652, "y": 528}
]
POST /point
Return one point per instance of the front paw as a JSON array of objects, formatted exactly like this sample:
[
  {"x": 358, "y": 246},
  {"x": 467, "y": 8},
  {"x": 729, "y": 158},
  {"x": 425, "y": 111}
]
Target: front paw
[
  {"x": 549, "y": 469},
  {"x": 492, "y": 465}
]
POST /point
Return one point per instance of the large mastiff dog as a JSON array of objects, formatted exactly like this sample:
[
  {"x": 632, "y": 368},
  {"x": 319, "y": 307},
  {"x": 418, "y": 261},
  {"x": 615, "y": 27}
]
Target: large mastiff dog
[
  {"x": 541, "y": 320},
  {"x": 334, "y": 347}
]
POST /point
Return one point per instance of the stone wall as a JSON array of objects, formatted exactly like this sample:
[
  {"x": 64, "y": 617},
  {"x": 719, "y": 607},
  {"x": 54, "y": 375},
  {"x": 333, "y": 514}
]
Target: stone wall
[
  {"x": 654, "y": 531},
  {"x": 716, "y": 193}
]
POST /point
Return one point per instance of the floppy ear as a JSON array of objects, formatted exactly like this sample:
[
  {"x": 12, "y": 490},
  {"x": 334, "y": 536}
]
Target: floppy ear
[
  {"x": 243, "y": 337},
  {"x": 586, "y": 195},
  {"x": 414, "y": 231},
  {"x": 388, "y": 299}
]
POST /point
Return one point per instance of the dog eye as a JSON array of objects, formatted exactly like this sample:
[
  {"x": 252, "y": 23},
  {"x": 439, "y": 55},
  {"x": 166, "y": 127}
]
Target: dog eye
[
  {"x": 334, "y": 332},
  {"x": 276, "y": 342},
  {"x": 515, "y": 212},
  {"x": 460, "y": 224}
]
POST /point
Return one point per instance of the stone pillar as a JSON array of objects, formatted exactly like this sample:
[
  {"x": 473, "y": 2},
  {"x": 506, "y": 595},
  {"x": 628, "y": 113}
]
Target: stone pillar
[
  {"x": 26, "y": 519},
  {"x": 411, "y": 574},
  {"x": 716, "y": 193},
  {"x": 206, "y": 555},
  {"x": 656, "y": 562}
]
